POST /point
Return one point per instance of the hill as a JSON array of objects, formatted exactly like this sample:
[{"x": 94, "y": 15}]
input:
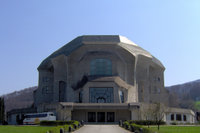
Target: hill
[
  {"x": 19, "y": 99},
  {"x": 185, "y": 95}
]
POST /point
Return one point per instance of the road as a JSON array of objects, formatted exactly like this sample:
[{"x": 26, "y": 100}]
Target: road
[{"x": 101, "y": 129}]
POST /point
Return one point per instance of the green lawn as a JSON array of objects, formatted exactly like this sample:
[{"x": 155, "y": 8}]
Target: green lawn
[
  {"x": 178, "y": 129},
  {"x": 24, "y": 129},
  {"x": 197, "y": 105}
]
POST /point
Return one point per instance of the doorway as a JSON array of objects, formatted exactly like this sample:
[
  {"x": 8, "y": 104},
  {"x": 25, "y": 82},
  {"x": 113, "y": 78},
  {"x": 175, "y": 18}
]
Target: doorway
[
  {"x": 91, "y": 116},
  {"x": 100, "y": 116},
  {"x": 110, "y": 116}
]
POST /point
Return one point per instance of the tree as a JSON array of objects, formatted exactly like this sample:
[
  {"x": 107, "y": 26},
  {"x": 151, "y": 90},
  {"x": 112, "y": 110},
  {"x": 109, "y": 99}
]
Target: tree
[
  {"x": 2, "y": 110},
  {"x": 159, "y": 113},
  {"x": 148, "y": 112}
]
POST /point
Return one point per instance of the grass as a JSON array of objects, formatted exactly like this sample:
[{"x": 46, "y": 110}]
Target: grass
[
  {"x": 36, "y": 129},
  {"x": 197, "y": 105},
  {"x": 24, "y": 129},
  {"x": 177, "y": 129}
]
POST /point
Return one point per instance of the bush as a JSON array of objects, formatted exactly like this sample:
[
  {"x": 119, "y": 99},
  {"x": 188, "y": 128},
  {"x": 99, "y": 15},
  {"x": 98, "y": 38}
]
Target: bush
[
  {"x": 57, "y": 123},
  {"x": 126, "y": 125},
  {"x": 146, "y": 122},
  {"x": 136, "y": 128},
  {"x": 139, "y": 128},
  {"x": 66, "y": 125},
  {"x": 56, "y": 129}
]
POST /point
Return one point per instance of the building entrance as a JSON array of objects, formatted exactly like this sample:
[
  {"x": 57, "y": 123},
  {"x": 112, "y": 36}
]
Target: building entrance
[
  {"x": 100, "y": 116},
  {"x": 110, "y": 116},
  {"x": 91, "y": 116}
]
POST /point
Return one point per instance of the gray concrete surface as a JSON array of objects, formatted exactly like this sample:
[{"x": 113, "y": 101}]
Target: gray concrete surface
[{"x": 101, "y": 129}]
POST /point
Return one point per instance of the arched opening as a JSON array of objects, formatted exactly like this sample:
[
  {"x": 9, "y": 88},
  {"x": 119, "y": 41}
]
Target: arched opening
[{"x": 101, "y": 100}]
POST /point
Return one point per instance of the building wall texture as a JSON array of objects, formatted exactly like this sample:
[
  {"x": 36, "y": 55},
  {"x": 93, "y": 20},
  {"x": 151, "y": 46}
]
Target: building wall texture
[{"x": 66, "y": 76}]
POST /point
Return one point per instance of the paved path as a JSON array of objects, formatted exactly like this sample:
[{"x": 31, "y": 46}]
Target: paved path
[{"x": 101, "y": 129}]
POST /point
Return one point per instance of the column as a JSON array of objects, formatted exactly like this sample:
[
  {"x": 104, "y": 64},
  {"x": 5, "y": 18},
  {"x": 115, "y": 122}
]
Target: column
[{"x": 134, "y": 114}]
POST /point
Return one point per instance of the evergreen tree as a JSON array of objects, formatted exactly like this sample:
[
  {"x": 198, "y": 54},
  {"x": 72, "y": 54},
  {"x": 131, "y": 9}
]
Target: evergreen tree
[{"x": 2, "y": 110}]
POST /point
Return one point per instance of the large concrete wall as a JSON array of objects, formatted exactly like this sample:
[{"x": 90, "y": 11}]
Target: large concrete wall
[{"x": 140, "y": 71}]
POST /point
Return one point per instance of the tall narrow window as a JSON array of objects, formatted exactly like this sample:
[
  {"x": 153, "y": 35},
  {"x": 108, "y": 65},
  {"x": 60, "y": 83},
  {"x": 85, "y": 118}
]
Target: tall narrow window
[
  {"x": 81, "y": 96},
  {"x": 172, "y": 117},
  {"x": 158, "y": 90},
  {"x": 121, "y": 94},
  {"x": 102, "y": 67},
  {"x": 62, "y": 86},
  {"x": 184, "y": 118}
]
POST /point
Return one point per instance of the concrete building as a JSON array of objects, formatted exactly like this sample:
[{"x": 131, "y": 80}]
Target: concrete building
[
  {"x": 102, "y": 78},
  {"x": 179, "y": 116}
]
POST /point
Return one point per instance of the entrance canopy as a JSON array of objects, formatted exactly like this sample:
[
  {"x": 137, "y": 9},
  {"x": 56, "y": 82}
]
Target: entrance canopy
[{"x": 73, "y": 106}]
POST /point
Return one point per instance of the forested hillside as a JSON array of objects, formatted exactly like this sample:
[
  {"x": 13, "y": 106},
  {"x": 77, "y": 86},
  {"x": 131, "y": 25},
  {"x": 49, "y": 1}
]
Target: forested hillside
[{"x": 19, "y": 99}]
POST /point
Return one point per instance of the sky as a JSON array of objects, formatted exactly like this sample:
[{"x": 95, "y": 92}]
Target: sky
[{"x": 30, "y": 30}]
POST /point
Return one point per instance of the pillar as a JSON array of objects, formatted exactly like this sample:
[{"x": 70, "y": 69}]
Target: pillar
[{"x": 135, "y": 114}]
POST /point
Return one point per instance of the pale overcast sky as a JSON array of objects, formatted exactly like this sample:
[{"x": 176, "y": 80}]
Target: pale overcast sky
[{"x": 30, "y": 30}]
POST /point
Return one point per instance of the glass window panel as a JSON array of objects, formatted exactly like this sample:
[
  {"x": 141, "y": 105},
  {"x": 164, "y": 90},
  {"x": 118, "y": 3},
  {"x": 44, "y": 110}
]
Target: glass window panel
[
  {"x": 101, "y": 95},
  {"x": 121, "y": 93},
  {"x": 101, "y": 67}
]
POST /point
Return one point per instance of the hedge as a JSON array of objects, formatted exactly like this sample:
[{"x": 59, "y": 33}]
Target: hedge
[
  {"x": 67, "y": 126},
  {"x": 57, "y": 123},
  {"x": 146, "y": 122},
  {"x": 135, "y": 128}
]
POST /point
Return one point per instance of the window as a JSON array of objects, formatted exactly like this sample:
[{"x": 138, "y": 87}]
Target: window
[
  {"x": 172, "y": 117},
  {"x": 47, "y": 90},
  {"x": 45, "y": 79},
  {"x": 184, "y": 118},
  {"x": 80, "y": 96},
  {"x": 36, "y": 115},
  {"x": 155, "y": 89},
  {"x": 101, "y": 100},
  {"x": 121, "y": 94},
  {"x": 158, "y": 90},
  {"x": 178, "y": 117},
  {"x": 101, "y": 67},
  {"x": 101, "y": 95}
]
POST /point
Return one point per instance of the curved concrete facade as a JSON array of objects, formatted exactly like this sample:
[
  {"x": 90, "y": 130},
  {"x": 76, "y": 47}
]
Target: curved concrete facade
[{"x": 66, "y": 78}]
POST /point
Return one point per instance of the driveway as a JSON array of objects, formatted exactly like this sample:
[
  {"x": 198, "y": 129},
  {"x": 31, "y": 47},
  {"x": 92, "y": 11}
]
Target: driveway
[{"x": 101, "y": 129}]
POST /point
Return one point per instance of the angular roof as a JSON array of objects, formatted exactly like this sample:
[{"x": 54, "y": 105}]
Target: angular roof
[{"x": 100, "y": 39}]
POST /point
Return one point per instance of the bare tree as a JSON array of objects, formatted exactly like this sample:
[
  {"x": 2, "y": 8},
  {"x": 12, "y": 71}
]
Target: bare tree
[
  {"x": 148, "y": 112},
  {"x": 159, "y": 113}
]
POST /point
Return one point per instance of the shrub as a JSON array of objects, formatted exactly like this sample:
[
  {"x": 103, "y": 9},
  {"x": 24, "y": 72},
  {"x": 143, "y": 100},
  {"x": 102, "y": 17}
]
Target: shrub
[
  {"x": 126, "y": 125},
  {"x": 66, "y": 125},
  {"x": 146, "y": 122},
  {"x": 144, "y": 129},
  {"x": 136, "y": 128},
  {"x": 56, "y": 129},
  {"x": 56, "y": 123}
]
